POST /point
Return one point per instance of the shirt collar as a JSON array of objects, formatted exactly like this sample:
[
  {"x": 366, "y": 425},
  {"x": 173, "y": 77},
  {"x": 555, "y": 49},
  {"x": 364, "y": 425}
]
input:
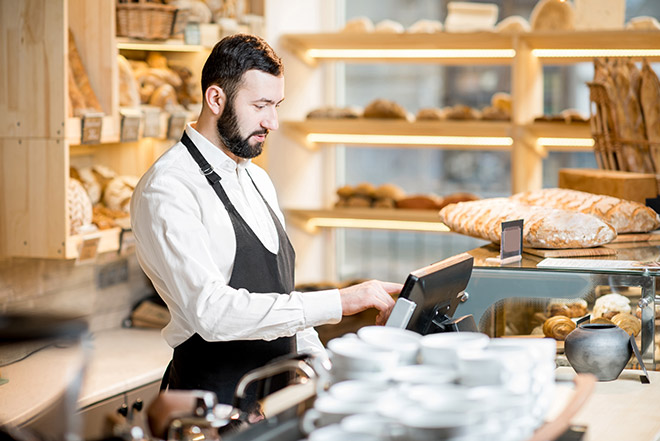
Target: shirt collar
[{"x": 213, "y": 154}]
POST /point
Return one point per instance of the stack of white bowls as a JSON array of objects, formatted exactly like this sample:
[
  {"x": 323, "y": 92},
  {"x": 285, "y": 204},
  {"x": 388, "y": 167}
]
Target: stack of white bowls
[{"x": 393, "y": 384}]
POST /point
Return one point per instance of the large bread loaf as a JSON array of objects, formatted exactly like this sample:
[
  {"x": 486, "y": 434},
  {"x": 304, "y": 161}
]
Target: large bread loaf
[
  {"x": 624, "y": 216},
  {"x": 543, "y": 227}
]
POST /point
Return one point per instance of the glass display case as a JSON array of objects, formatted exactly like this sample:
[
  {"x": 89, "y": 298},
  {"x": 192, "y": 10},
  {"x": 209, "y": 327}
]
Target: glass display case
[{"x": 512, "y": 300}]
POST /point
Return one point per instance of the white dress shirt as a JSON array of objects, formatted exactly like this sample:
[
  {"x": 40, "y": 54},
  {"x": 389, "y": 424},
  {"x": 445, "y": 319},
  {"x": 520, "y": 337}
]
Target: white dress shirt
[{"x": 186, "y": 245}]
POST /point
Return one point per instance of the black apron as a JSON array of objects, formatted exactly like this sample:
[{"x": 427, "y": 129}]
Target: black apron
[{"x": 218, "y": 366}]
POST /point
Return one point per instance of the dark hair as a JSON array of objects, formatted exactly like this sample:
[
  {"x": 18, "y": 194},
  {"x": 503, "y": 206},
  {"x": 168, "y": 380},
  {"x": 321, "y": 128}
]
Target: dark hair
[{"x": 233, "y": 56}]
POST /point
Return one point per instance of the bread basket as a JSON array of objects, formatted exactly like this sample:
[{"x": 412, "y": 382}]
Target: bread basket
[{"x": 146, "y": 20}]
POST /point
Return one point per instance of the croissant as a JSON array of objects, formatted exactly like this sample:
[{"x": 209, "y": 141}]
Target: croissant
[
  {"x": 628, "y": 322},
  {"x": 558, "y": 327},
  {"x": 601, "y": 321}
]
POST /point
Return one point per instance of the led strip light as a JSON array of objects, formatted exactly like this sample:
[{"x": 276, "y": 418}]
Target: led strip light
[
  {"x": 410, "y": 53},
  {"x": 378, "y": 224},
  {"x": 340, "y": 138},
  {"x": 591, "y": 53}
]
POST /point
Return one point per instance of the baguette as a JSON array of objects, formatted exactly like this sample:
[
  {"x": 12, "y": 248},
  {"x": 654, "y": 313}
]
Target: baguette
[
  {"x": 625, "y": 216},
  {"x": 543, "y": 227},
  {"x": 649, "y": 96},
  {"x": 80, "y": 76}
]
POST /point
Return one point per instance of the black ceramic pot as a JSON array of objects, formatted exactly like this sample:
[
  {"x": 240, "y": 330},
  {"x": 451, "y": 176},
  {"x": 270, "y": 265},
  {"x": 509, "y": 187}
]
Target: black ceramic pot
[{"x": 599, "y": 349}]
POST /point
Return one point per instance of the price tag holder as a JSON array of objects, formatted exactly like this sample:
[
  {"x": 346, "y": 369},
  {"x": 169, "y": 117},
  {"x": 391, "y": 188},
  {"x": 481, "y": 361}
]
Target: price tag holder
[
  {"x": 130, "y": 125},
  {"x": 91, "y": 126},
  {"x": 88, "y": 250},
  {"x": 176, "y": 125},
  {"x": 511, "y": 243},
  {"x": 126, "y": 242}
]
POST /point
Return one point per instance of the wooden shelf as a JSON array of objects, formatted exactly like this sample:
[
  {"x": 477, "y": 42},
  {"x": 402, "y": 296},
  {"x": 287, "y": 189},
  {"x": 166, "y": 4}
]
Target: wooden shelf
[
  {"x": 421, "y": 47},
  {"x": 376, "y": 218},
  {"x": 561, "y": 131},
  {"x": 434, "y": 134},
  {"x": 171, "y": 45}
]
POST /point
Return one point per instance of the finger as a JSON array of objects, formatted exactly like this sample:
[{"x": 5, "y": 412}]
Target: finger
[{"x": 391, "y": 287}]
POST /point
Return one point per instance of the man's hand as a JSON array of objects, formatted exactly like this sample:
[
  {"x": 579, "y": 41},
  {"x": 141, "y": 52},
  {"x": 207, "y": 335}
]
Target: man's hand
[{"x": 370, "y": 294}]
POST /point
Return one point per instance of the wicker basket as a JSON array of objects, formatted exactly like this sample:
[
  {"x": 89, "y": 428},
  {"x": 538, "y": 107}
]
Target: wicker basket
[
  {"x": 611, "y": 151},
  {"x": 145, "y": 20}
]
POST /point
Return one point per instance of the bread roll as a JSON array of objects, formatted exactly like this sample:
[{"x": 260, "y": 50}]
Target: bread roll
[
  {"x": 624, "y": 216},
  {"x": 420, "y": 202},
  {"x": 455, "y": 198},
  {"x": 359, "y": 25},
  {"x": 335, "y": 112},
  {"x": 80, "y": 207},
  {"x": 462, "y": 112},
  {"x": 164, "y": 96},
  {"x": 425, "y": 26},
  {"x": 430, "y": 114},
  {"x": 610, "y": 305},
  {"x": 389, "y": 191},
  {"x": 90, "y": 183},
  {"x": 558, "y": 327},
  {"x": 385, "y": 109},
  {"x": 567, "y": 308},
  {"x": 543, "y": 227},
  {"x": 643, "y": 23},
  {"x": 601, "y": 321},
  {"x": 502, "y": 100},
  {"x": 490, "y": 113},
  {"x": 553, "y": 15},
  {"x": 389, "y": 27},
  {"x": 117, "y": 194},
  {"x": 129, "y": 89},
  {"x": 513, "y": 24}
]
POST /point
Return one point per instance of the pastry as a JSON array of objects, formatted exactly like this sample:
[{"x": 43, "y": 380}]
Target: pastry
[
  {"x": 543, "y": 227},
  {"x": 502, "y": 101},
  {"x": 425, "y": 26},
  {"x": 567, "y": 308},
  {"x": 389, "y": 27},
  {"x": 610, "y": 305},
  {"x": 359, "y": 25},
  {"x": 385, "y": 109},
  {"x": 628, "y": 322},
  {"x": 558, "y": 327},
  {"x": 625, "y": 216},
  {"x": 553, "y": 15},
  {"x": 430, "y": 114},
  {"x": 513, "y": 24},
  {"x": 601, "y": 321},
  {"x": 490, "y": 113}
]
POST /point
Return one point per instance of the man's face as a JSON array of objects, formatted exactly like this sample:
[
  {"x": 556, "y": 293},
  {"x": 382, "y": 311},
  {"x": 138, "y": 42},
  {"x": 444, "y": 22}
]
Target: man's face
[{"x": 251, "y": 114}]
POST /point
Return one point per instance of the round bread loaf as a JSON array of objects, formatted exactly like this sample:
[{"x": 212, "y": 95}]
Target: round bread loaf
[
  {"x": 425, "y": 26},
  {"x": 80, "y": 207},
  {"x": 359, "y": 25},
  {"x": 430, "y": 114},
  {"x": 610, "y": 305},
  {"x": 385, "y": 109}
]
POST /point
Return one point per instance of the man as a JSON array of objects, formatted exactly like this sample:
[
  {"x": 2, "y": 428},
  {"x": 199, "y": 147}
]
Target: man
[{"x": 210, "y": 235}]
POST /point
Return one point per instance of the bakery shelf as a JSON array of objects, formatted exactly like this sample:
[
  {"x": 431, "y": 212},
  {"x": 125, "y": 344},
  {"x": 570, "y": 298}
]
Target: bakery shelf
[
  {"x": 171, "y": 45},
  {"x": 561, "y": 136},
  {"x": 480, "y": 135},
  {"x": 370, "y": 218},
  {"x": 448, "y": 48},
  {"x": 109, "y": 130},
  {"x": 109, "y": 241}
]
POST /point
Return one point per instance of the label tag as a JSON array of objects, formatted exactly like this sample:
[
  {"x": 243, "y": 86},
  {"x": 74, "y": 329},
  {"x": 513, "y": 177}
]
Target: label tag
[
  {"x": 176, "y": 125},
  {"x": 88, "y": 250},
  {"x": 151, "y": 122},
  {"x": 91, "y": 125},
  {"x": 130, "y": 126}
]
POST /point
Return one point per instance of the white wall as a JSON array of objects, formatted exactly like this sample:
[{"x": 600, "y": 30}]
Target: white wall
[{"x": 302, "y": 177}]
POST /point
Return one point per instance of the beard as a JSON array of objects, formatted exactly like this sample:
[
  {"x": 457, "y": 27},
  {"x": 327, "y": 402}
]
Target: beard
[{"x": 230, "y": 135}]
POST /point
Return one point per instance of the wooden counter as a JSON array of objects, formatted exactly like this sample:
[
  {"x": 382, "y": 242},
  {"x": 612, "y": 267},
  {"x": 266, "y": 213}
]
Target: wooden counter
[
  {"x": 116, "y": 361},
  {"x": 624, "y": 409}
]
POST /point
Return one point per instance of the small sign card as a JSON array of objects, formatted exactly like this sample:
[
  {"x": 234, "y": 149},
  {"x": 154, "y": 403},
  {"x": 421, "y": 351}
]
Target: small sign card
[
  {"x": 130, "y": 125},
  {"x": 511, "y": 243},
  {"x": 91, "y": 126},
  {"x": 151, "y": 121}
]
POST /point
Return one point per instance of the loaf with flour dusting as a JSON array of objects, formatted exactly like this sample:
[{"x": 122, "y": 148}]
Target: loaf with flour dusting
[
  {"x": 625, "y": 216},
  {"x": 543, "y": 227}
]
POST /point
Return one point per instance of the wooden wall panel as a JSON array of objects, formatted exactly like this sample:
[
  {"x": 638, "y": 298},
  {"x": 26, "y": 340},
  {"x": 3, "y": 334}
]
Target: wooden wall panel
[
  {"x": 32, "y": 68},
  {"x": 34, "y": 197}
]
